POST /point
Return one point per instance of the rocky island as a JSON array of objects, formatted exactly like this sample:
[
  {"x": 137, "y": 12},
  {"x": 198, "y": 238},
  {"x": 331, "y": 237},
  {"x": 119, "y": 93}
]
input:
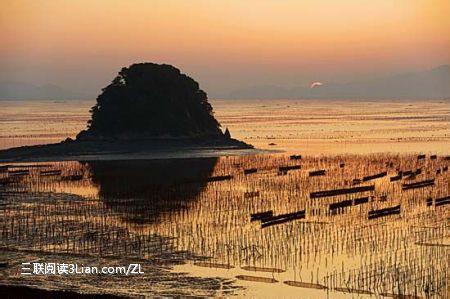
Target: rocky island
[{"x": 147, "y": 108}]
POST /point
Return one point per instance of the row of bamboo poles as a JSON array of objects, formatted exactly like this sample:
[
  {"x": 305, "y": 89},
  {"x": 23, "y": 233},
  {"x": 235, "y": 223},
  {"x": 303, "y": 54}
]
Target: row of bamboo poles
[{"x": 326, "y": 239}]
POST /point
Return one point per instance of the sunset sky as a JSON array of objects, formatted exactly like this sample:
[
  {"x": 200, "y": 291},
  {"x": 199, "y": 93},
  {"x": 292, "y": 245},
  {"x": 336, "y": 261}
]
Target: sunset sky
[{"x": 222, "y": 44}]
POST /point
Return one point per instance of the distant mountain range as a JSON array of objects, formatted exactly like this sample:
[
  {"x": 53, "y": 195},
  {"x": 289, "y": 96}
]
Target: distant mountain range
[
  {"x": 430, "y": 84},
  {"x": 14, "y": 90}
]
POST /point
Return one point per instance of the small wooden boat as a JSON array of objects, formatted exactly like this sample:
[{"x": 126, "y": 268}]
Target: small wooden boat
[
  {"x": 341, "y": 204},
  {"x": 384, "y": 212},
  {"x": 308, "y": 285},
  {"x": 283, "y": 218},
  {"x": 317, "y": 172},
  {"x": 335, "y": 192},
  {"x": 399, "y": 296},
  {"x": 420, "y": 184},
  {"x": 261, "y": 216},
  {"x": 360, "y": 200},
  {"x": 442, "y": 201},
  {"x": 250, "y": 170},
  {"x": 287, "y": 168},
  {"x": 18, "y": 172},
  {"x": 50, "y": 172},
  {"x": 219, "y": 178},
  {"x": 374, "y": 176},
  {"x": 256, "y": 278},
  {"x": 213, "y": 265},
  {"x": 263, "y": 269},
  {"x": 396, "y": 178}
]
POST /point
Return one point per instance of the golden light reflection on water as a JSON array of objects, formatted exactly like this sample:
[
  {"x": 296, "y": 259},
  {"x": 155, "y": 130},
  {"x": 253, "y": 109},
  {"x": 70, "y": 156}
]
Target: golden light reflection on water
[
  {"x": 339, "y": 127},
  {"x": 178, "y": 201},
  {"x": 307, "y": 126}
]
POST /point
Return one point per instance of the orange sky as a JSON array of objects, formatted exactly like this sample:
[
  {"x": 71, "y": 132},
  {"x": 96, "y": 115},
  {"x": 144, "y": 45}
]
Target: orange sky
[{"x": 221, "y": 43}]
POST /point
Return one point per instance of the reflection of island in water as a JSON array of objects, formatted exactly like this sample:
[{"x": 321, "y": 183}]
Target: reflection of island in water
[{"x": 141, "y": 190}]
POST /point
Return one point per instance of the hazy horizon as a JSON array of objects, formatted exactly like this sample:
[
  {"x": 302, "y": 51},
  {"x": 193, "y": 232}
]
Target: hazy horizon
[
  {"x": 77, "y": 48},
  {"x": 316, "y": 165}
]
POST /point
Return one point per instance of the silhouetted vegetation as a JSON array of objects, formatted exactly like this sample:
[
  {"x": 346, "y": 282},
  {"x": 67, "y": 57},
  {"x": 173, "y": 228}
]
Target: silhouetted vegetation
[
  {"x": 148, "y": 100},
  {"x": 154, "y": 107}
]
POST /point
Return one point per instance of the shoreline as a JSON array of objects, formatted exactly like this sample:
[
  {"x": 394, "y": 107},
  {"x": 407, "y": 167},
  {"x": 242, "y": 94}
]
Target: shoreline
[{"x": 128, "y": 150}]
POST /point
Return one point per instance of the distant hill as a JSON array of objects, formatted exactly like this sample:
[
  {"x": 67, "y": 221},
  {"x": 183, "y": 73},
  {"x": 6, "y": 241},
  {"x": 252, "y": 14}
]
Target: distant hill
[
  {"x": 147, "y": 109},
  {"x": 15, "y": 90},
  {"x": 430, "y": 84}
]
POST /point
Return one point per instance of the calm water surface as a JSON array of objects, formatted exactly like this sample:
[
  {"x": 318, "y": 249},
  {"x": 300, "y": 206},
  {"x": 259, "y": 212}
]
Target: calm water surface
[
  {"x": 309, "y": 127},
  {"x": 197, "y": 212},
  {"x": 188, "y": 221}
]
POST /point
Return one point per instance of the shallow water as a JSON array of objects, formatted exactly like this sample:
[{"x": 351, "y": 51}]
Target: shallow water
[
  {"x": 193, "y": 216},
  {"x": 305, "y": 126},
  {"x": 190, "y": 211}
]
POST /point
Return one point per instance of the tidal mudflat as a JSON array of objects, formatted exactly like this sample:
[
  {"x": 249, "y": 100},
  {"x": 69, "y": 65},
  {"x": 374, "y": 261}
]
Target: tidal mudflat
[
  {"x": 355, "y": 205},
  {"x": 261, "y": 225}
]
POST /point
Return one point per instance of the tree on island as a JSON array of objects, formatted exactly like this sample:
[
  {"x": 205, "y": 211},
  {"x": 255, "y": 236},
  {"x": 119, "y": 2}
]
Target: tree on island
[
  {"x": 147, "y": 107},
  {"x": 148, "y": 100}
]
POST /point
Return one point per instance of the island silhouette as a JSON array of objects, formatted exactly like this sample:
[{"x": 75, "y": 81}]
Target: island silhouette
[
  {"x": 147, "y": 107},
  {"x": 151, "y": 100}
]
